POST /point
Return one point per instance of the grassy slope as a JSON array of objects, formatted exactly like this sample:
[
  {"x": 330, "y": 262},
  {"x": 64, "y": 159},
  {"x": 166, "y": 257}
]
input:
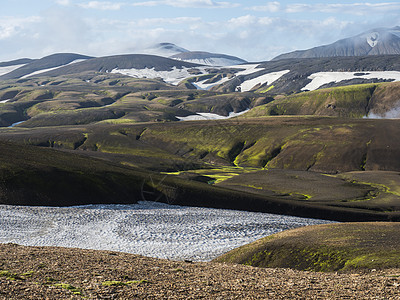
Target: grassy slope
[
  {"x": 328, "y": 247},
  {"x": 36, "y": 176},
  {"x": 373, "y": 190},
  {"x": 328, "y": 143},
  {"x": 63, "y": 101},
  {"x": 301, "y": 143},
  {"x": 354, "y": 101}
]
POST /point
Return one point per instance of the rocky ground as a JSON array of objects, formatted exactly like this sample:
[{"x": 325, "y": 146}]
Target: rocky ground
[{"x": 63, "y": 273}]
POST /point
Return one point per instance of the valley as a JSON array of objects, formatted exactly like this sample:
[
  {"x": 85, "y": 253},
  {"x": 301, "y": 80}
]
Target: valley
[{"x": 313, "y": 137}]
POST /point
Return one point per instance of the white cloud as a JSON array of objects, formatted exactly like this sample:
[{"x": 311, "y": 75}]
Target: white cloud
[
  {"x": 12, "y": 27},
  {"x": 63, "y": 2},
  {"x": 166, "y": 21},
  {"x": 249, "y": 20},
  {"x": 269, "y": 7},
  {"x": 102, "y": 5},
  {"x": 189, "y": 3},
  {"x": 352, "y": 8}
]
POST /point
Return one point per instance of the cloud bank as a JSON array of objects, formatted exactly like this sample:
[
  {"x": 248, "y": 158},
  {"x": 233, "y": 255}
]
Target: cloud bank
[{"x": 253, "y": 30}]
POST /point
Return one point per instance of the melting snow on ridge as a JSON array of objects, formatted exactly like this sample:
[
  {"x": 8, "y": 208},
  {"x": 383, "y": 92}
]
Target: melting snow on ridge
[
  {"x": 213, "y": 61},
  {"x": 177, "y": 75},
  {"x": 6, "y": 70},
  {"x": 321, "y": 78},
  {"x": 205, "y": 86},
  {"x": 173, "y": 77},
  {"x": 51, "y": 69},
  {"x": 248, "y": 69},
  {"x": 146, "y": 228},
  {"x": 210, "y": 116},
  {"x": 262, "y": 79}
]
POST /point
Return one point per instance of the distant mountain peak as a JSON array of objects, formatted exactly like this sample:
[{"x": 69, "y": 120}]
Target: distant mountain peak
[
  {"x": 210, "y": 59},
  {"x": 379, "y": 41},
  {"x": 164, "y": 49}
]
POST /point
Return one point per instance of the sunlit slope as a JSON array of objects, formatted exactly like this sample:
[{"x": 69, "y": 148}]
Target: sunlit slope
[
  {"x": 38, "y": 176},
  {"x": 91, "y": 98},
  {"x": 354, "y": 101},
  {"x": 328, "y": 247},
  {"x": 301, "y": 143}
]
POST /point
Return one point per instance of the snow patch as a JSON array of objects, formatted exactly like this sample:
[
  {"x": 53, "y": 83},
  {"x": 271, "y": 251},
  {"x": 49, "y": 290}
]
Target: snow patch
[
  {"x": 8, "y": 69},
  {"x": 210, "y": 116},
  {"x": 16, "y": 123},
  {"x": 263, "y": 79},
  {"x": 248, "y": 69},
  {"x": 173, "y": 77},
  {"x": 321, "y": 78},
  {"x": 206, "y": 86},
  {"x": 51, "y": 69},
  {"x": 147, "y": 228},
  {"x": 214, "y": 62},
  {"x": 5, "y": 101},
  {"x": 372, "y": 39}
]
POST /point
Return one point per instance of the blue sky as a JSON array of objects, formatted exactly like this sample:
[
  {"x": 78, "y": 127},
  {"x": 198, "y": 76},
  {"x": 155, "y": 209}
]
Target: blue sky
[{"x": 254, "y": 30}]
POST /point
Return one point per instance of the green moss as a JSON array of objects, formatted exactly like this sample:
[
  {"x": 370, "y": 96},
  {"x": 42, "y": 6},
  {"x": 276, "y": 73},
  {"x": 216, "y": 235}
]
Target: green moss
[
  {"x": 11, "y": 276},
  {"x": 266, "y": 90},
  {"x": 70, "y": 288},
  {"x": 113, "y": 283},
  {"x": 138, "y": 281},
  {"x": 121, "y": 283}
]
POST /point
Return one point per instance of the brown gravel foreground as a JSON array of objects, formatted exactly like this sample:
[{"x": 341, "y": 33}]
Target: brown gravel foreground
[{"x": 56, "y": 273}]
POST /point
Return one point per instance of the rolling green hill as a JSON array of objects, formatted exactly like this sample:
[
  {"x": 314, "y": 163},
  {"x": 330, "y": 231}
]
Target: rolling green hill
[
  {"x": 354, "y": 101},
  {"x": 330, "y": 247}
]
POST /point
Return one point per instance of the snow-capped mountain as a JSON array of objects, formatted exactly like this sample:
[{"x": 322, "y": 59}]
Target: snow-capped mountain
[
  {"x": 173, "y": 51},
  {"x": 380, "y": 41},
  {"x": 209, "y": 59},
  {"x": 164, "y": 50}
]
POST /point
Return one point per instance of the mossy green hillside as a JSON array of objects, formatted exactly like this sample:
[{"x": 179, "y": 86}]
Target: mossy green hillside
[
  {"x": 371, "y": 190},
  {"x": 348, "y": 101},
  {"x": 321, "y": 144},
  {"x": 330, "y": 247}
]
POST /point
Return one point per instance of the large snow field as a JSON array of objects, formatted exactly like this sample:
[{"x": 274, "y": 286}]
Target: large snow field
[
  {"x": 147, "y": 228},
  {"x": 266, "y": 78},
  {"x": 210, "y": 116},
  {"x": 321, "y": 78},
  {"x": 173, "y": 77},
  {"x": 8, "y": 69}
]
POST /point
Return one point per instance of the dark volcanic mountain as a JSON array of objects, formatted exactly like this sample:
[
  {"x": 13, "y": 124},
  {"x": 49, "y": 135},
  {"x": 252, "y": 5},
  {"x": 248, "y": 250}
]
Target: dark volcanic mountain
[
  {"x": 21, "y": 61},
  {"x": 129, "y": 61},
  {"x": 380, "y": 41},
  {"x": 299, "y": 71},
  {"x": 45, "y": 63},
  {"x": 211, "y": 59}
]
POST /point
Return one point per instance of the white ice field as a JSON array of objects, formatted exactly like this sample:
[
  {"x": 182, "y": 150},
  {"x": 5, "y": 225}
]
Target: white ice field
[{"x": 147, "y": 228}]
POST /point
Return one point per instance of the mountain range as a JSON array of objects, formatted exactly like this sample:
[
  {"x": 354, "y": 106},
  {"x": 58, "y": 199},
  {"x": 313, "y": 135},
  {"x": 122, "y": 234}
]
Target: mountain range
[{"x": 380, "y": 41}]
